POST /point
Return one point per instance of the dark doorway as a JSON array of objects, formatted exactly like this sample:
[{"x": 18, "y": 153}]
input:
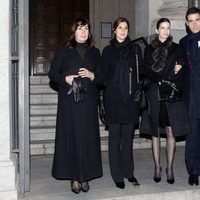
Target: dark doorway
[{"x": 49, "y": 26}]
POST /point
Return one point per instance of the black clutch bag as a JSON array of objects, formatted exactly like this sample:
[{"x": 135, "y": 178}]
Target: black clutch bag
[{"x": 168, "y": 91}]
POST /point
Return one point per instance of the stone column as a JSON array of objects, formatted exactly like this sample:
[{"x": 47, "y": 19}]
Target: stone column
[
  {"x": 7, "y": 169},
  {"x": 175, "y": 11}
]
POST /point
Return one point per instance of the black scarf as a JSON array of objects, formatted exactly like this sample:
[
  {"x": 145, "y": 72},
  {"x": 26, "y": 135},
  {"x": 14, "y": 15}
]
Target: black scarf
[
  {"x": 123, "y": 67},
  {"x": 160, "y": 53}
]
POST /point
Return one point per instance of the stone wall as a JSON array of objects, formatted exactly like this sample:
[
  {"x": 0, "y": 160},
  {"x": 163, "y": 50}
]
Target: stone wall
[
  {"x": 108, "y": 11},
  {"x": 7, "y": 168}
]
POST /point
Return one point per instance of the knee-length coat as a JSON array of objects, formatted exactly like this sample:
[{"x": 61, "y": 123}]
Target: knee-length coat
[
  {"x": 77, "y": 153},
  {"x": 176, "y": 109},
  {"x": 118, "y": 60}
]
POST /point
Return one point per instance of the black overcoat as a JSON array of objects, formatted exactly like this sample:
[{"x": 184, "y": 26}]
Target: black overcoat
[
  {"x": 176, "y": 109},
  {"x": 114, "y": 61},
  {"x": 192, "y": 82},
  {"x": 77, "y": 153}
]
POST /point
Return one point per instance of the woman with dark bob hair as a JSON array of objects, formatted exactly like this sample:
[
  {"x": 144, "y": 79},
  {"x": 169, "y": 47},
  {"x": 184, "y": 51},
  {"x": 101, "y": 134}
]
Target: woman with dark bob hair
[
  {"x": 164, "y": 66},
  {"x": 77, "y": 71},
  {"x": 119, "y": 61}
]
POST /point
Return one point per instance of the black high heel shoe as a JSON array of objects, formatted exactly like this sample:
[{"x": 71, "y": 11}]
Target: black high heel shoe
[
  {"x": 157, "y": 176},
  {"x": 134, "y": 181},
  {"x": 75, "y": 188},
  {"x": 85, "y": 186},
  {"x": 170, "y": 178}
]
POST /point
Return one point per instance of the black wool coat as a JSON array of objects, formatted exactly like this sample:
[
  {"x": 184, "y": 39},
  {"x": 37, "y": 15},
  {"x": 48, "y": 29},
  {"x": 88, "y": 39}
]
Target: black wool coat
[
  {"x": 77, "y": 153},
  {"x": 192, "y": 83},
  {"x": 176, "y": 109},
  {"x": 116, "y": 61}
]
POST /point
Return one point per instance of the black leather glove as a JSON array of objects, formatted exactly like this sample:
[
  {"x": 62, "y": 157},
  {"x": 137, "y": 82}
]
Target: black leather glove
[{"x": 78, "y": 89}]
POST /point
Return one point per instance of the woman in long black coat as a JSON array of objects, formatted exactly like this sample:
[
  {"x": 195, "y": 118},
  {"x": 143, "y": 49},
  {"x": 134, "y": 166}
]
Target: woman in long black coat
[
  {"x": 119, "y": 67},
  {"x": 77, "y": 71},
  {"x": 166, "y": 113}
]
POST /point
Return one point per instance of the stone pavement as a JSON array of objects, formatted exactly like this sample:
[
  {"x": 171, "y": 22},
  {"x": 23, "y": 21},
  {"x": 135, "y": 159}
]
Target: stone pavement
[{"x": 44, "y": 187}]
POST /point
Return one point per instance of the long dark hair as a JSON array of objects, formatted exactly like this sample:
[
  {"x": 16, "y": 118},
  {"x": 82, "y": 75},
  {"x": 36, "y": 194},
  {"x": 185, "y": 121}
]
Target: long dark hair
[
  {"x": 118, "y": 21},
  {"x": 79, "y": 21},
  {"x": 161, "y": 20}
]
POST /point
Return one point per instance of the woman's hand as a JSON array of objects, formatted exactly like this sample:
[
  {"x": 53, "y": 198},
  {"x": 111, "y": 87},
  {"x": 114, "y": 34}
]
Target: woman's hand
[
  {"x": 85, "y": 73},
  {"x": 177, "y": 68},
  {"x": 69, "y": 79}
]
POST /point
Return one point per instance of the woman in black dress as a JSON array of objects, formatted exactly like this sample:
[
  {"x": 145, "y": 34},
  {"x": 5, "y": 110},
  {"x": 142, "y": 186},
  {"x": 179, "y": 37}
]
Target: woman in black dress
[
  {"x": 77, "y": 71},
  {"x": 166, "y": 114},
  {"x": 119, "y": 67}
]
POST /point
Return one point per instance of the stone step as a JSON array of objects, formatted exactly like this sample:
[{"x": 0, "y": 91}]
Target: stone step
[
  {"x": 43, "y": 99},
  {"x": 43, "y": 109},
  {"x": 39, "y": 80},
  {"x": 41, "y": 89},
  {"x": 47, "y": 146},
  {"x": 48, "y": 133}
]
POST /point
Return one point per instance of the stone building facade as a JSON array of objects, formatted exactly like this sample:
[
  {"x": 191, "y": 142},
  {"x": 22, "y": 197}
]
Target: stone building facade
[{"x": 142, "y": 15}]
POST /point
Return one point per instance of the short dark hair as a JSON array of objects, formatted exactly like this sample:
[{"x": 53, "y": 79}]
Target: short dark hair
[
  {"x": 192, "y": 10},
  {"x": 161, "y": 20},
  {"x": 118, "y": 21},
  {"x": 79, "y": 21}
]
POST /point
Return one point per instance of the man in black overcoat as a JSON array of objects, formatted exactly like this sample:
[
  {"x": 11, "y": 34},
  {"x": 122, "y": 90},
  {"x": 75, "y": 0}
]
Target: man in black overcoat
[{"x": 191, "y": 44}]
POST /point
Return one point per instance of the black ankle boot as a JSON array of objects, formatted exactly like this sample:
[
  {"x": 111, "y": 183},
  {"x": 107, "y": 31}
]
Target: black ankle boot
[
  {"x": 193, "y": 180},
  {"x": 120, "y": 185}
]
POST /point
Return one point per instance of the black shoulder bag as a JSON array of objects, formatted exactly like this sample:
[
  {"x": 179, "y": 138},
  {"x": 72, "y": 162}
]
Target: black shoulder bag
[{"x": 140, "y": 95}]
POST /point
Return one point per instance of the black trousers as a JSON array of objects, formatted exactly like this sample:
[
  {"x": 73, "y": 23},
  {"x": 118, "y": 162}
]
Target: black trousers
[
  {"x": 192, "y": 148},
  {"x": 121, "y": 151}
]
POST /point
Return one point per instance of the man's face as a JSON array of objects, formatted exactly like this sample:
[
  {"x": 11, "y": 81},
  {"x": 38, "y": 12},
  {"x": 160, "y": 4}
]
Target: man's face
[{"x": 193, "y": 22}]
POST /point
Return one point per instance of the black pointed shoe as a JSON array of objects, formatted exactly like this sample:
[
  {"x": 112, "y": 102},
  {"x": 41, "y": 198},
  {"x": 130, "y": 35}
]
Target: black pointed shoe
[
  {"x": 170, "y": 178},
  {"x": 120, "y": 185},
  {"x": 75, "y": 188},
  {"x": 85, "y": 186},
  {"x": 157, "y": 176},
  {"x": 193, "y": 180}
]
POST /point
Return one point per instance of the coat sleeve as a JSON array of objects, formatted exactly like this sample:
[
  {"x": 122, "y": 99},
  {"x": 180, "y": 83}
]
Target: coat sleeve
[
  {"x": 98, "y": 74},
  {"x": 105, "y": 66},
  {"x": 55, "y": 73}
]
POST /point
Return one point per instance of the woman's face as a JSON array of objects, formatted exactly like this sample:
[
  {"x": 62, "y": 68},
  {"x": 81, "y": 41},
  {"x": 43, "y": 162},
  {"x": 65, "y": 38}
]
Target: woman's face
[
  {"x": 163, "y": 31},
  {"x": 81, "y": 33},
  {"x": 121, "y": 31}
]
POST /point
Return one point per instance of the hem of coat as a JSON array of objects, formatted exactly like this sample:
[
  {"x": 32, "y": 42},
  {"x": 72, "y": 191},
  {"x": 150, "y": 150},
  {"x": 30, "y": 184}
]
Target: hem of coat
[{"x": 71, "y": 178}]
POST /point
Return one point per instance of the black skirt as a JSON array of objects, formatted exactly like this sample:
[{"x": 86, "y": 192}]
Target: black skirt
[{"x": 163, "y": 116}]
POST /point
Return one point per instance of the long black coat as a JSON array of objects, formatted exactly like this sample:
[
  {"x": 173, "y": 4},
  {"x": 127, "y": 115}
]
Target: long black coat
[
  {"x": 77, "y": 153},
  {"x": 120, "y": 108},
  {"x": 192, "y": 83},
  {"x": 176, "y": 109}
]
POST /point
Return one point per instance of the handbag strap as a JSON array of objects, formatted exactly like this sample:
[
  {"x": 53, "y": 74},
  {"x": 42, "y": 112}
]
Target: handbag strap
[{"x": 137, "y": 64}]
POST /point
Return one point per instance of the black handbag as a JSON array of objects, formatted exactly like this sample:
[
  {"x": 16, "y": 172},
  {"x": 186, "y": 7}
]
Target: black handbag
[
  {"x": 140, "y": 95},
  {"x": 168, "y": 91},
  {"x": 141, "y": 98}
]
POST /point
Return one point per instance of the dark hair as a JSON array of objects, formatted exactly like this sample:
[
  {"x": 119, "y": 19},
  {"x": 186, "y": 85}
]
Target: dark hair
[
  {"x": 118, "y": 21},
  {"x": 79, "y": 21},
  {"x": 160, "y": 21},
  {"x": 192, "y": 10}
]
